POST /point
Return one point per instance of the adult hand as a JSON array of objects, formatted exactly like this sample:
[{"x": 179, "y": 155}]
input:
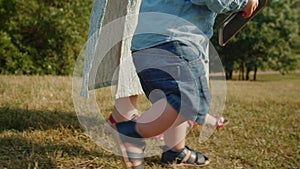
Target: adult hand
[{"x": 249, "y": 8}]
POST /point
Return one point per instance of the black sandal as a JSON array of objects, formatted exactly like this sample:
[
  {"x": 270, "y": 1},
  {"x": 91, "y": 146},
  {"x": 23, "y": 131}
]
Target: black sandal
[
  {"x": 179, "y": 158},
  {"x": 125, "y": 133}
]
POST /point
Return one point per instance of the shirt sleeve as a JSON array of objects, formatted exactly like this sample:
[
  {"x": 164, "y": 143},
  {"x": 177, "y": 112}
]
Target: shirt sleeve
[{"x": 222, "y": 6}]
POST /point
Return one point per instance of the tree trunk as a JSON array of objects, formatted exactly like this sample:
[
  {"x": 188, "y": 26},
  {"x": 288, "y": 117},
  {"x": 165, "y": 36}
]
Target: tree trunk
[
  {"x": 255, "y": 71},
  {"x": 247, "y": 74},
  {"x": 242, "y": 71},
  {"x": 228, "y": 75}
]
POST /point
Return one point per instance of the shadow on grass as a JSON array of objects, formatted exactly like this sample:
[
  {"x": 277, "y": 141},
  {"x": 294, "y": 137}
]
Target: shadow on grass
[
  {"x": 21, "y": 120},
  {"x": 19, "y": 150}
]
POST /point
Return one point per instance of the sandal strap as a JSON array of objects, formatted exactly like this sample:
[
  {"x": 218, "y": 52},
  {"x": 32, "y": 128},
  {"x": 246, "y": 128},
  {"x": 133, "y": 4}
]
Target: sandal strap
[
  {"x": 172, "y": 156},
  {"x": 135, "y": 157},
  {"x": 196, "y": 158},
  {"x": 129, "y": 134}
]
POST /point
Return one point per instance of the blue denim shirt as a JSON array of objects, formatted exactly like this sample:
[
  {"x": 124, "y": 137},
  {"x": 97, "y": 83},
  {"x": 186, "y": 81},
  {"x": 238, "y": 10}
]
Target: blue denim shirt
[{"x": 162, "y": 21}]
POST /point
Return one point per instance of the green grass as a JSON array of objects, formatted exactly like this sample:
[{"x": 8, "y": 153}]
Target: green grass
[{"x": 39, "y": 126}]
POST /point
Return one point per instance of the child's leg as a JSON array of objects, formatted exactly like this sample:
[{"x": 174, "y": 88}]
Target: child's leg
[
  {"x": 175, "y": 137},
  {"x": 170, "y": 121},
  {"x": 159, "y": 118},
  {"x": 125, "y": 108}
]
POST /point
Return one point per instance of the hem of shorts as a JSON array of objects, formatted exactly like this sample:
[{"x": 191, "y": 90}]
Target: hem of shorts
[{"x": 194, "y": 118}]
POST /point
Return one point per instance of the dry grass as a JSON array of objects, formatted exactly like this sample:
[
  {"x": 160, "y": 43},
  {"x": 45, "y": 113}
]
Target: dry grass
[{"x": 39, "y": 127}]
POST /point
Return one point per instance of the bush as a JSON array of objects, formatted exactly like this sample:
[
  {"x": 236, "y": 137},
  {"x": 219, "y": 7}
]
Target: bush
[{"x": 42, "y": 37}]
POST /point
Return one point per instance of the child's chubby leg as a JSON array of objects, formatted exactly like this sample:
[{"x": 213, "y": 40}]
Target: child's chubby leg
[
  {"x": 176, "y": 152},
  {"x": 125, "y": 108},
  {"x": 160, "y": 117},
  {"x": 175, "y": 137}
]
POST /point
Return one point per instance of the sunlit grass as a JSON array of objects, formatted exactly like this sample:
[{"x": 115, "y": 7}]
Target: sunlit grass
[{"x": 39, "y": 126}]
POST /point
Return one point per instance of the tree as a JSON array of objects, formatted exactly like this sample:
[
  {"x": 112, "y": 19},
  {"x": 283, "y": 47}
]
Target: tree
[
  {"x": 45, "y": 36},
  {"x": 266, "y": 42}
]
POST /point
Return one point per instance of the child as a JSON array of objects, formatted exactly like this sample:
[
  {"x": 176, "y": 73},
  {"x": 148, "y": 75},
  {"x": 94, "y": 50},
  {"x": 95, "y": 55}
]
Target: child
[{"x": 170, "y": 56}]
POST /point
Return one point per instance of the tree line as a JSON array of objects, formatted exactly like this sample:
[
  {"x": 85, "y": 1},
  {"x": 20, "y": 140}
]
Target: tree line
[
  {"x": 42, "y": 36},
  {"x": 270, "y": 41},
  {"x": 45, "y": 37}
]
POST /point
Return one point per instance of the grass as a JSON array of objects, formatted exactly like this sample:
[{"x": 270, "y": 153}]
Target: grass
[{"x": 39, "y": 126}]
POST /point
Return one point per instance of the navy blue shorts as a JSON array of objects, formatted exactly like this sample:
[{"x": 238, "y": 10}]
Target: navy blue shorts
[{"x": 177, "y": 72}]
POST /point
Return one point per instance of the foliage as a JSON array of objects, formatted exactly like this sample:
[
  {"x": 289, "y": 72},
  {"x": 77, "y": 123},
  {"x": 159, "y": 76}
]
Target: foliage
[
  {"x": 45, "y": 37},
  {"x": 41, "y": 37},
  {"x": 267, "y": 42}
]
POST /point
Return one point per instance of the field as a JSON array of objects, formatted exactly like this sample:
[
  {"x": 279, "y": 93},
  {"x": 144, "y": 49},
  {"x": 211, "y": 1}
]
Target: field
[{"x": 39, "y": 126}]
